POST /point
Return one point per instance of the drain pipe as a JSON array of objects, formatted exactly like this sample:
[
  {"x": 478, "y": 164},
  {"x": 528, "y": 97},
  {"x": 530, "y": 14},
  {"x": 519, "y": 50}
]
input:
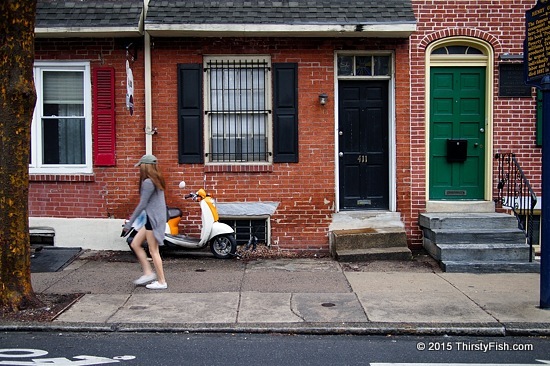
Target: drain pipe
[{"x": 149, "y": 131}]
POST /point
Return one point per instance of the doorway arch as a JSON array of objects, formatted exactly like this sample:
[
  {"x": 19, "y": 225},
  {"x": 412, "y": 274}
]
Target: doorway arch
[{"x": 471, "y": 59}]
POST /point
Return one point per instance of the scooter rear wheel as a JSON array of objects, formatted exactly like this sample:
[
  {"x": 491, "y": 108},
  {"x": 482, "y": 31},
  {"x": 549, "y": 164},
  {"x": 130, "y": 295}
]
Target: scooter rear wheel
[{"x": 224, "y": 246}]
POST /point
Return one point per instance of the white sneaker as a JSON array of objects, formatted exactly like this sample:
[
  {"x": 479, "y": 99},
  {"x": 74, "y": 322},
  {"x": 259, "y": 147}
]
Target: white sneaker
[
  {"x": 145, "y": 279},
  {"x": 157, "y": 286}
]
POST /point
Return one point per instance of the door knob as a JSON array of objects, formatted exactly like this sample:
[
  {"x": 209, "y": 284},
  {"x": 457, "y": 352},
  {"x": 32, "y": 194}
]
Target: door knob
[
  {"x": 341, "y": 154},
  {"x": 481, "y": 130}
]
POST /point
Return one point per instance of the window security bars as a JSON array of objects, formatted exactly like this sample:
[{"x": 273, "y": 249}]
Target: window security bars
[
  {"x": 239, "y": 110},
  {"x": 246, "y": 229}
]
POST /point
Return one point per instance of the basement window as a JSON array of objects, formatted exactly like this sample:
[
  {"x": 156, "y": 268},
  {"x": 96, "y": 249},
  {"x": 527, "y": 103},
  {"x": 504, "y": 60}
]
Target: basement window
[
  {"x": 245, "y": 228},
  {"x": 247, "y": 219}
]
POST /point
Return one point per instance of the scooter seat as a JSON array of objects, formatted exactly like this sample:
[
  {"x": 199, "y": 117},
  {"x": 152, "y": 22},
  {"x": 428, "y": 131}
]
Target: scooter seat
[{"x": 173, "y": 212}]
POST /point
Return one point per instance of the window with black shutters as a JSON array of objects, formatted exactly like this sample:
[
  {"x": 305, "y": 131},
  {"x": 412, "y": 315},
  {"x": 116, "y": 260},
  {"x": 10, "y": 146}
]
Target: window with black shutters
[{"x": 237, "y": 109}]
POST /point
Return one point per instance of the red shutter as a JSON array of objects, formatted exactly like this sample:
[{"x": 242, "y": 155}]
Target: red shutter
[{"x": 104, "y": 116}]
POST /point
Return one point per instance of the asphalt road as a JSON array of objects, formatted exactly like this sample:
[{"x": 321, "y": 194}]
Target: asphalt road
[{"x": 55, "y": 348}]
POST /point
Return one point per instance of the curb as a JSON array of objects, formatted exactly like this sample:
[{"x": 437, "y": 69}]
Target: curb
[{"x": 425, "y": 329}]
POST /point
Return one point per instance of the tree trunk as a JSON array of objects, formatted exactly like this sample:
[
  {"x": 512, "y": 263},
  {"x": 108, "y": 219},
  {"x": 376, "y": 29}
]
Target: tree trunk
[{"x": 17, "y": 100}]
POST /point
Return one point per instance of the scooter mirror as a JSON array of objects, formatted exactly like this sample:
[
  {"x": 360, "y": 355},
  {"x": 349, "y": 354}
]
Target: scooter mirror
[{"x": 182, "y": 184}]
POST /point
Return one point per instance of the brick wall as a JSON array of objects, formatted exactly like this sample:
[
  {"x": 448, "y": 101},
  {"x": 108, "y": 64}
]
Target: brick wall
[
  {"x": 305, "y": 190},
  {"x": 501, "y": 24},
  {"x": 109, "y": 192}
]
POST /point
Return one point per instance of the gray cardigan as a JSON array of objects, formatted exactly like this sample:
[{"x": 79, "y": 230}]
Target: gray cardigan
[{"x": 153, "y": 202}]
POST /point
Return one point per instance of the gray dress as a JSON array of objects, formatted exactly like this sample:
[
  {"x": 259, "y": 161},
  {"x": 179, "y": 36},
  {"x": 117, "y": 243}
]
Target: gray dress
[{"x": 153, "y": 202}]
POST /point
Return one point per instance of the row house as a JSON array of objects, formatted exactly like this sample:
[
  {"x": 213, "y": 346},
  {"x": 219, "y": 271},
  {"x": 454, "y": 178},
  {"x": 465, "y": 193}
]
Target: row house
[{"x": 329, "y": 124}]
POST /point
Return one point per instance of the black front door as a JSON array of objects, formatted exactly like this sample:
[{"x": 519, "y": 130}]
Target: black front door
[{"x": 363, "y": 144}]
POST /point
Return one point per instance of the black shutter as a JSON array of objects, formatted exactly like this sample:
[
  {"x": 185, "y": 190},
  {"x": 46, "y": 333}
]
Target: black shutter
[
  {"x": 285, "y": 113},
  {"x": 190, "y": 114}
]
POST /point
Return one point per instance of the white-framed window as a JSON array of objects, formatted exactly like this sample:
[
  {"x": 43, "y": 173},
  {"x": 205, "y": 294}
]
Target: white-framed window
[
  {"x": 237, "y": 109},
  {"x": 61, "y": 133}
]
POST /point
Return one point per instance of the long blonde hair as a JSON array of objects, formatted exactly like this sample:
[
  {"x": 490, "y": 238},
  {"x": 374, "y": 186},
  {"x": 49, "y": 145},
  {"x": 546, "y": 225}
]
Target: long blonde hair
[{"x": 152, "y": 172}]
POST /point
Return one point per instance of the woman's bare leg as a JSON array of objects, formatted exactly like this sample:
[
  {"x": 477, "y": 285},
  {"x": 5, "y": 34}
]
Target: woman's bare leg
[
  {"x": 155, "y": 254},
  {"x": 140, "y": 252}
]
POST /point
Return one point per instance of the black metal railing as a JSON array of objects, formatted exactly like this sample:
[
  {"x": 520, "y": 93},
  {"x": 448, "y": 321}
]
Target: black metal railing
[{"x": 515, "y": 192}]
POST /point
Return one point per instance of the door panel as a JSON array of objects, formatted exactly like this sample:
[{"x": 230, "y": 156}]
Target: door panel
[
  {"x": 363, "y": 144},
  {"x": 457, "y": 112}
]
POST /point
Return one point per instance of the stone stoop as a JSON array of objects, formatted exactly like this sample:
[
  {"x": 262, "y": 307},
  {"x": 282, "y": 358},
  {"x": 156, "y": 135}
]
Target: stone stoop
[
  {"x": 368, "y": 235},
  {"x": 476, "y": 242}
]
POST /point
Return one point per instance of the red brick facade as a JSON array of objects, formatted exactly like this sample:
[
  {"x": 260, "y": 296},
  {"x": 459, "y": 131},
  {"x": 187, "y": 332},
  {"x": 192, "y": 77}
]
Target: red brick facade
[
  {"x": 502, "y": 25},
  {"x": 305, "y": 190}
]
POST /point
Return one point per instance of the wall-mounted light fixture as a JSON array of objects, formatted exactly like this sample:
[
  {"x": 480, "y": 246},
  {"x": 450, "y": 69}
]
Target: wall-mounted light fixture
[{"x": 323, "y": 98}]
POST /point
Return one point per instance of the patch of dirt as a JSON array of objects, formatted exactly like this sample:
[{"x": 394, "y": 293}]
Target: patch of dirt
[
  {"x": 420, "y": 262},
  {"x": 262, "y": 251},
  {"x": 108, "y": 256},
  {"x": 53, "y": 306}
]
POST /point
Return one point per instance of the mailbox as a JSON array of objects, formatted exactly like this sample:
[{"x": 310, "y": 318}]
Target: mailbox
[{"x": 457, "y": 150}]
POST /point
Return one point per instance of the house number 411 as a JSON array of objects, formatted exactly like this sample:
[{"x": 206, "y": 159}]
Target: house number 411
[{"x": 362, "y": 158}]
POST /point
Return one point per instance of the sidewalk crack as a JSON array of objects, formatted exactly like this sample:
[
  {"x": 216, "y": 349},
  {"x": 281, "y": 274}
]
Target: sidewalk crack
[
  {"x": 292, "y": 308},
  {"x": 239, "y": 302},
  {"x": 120, "y": 307},
  {"x": 468, "y": 297}
]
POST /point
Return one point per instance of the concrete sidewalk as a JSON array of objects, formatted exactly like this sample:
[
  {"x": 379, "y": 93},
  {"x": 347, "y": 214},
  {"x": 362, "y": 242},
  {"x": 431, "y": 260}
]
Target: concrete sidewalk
[{"x": 317, "y": 296}]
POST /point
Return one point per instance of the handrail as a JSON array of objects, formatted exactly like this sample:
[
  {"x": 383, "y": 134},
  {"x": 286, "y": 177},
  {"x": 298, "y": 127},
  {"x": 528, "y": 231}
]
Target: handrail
[{"x": 515, "y": 192}]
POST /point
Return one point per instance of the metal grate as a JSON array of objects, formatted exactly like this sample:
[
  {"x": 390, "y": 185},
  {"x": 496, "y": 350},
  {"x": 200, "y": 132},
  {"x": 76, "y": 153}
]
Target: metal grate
[
  {"x": 239, "y": 110},
  {"x": 244, "y": 229}
]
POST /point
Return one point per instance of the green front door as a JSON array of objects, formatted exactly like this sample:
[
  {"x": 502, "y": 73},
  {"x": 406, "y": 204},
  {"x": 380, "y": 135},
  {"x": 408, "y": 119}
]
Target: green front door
[{"x": 457, "y": 133}]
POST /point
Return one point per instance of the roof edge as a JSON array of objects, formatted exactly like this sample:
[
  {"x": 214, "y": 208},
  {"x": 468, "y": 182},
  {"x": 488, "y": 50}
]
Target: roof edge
[
  {"x": 393, "y": 30},
  {"x": 84, "y": 32}
]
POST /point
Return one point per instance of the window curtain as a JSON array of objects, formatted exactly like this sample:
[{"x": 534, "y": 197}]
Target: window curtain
[{"x": 63, "y": 131}]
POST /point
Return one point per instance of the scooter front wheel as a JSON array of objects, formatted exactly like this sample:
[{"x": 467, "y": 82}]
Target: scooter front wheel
[{"x": 224, "y": 246}]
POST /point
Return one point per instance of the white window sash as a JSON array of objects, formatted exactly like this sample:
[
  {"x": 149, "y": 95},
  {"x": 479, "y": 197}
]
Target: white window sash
[{"x": 37, "y": 164}]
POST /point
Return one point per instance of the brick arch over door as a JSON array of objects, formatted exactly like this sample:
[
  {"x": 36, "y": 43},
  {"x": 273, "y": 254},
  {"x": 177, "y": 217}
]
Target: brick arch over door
[{"x": 461, "y": 32}]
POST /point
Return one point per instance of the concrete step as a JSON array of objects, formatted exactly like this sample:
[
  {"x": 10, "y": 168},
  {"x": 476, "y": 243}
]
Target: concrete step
[
  {"x": 466, "y": 221},
  {"x": 368, "y": 235},
  {"x": 476, "y": 242},
  {"x": 358, "y": 255},
  {"x": 460, "y": 206},
  {"x": 478, "y": 252},
  {"x": 349, "y": 220},
  {"x": 367, "y": 238},
  {"x": 482, "y": 236},
  {"x": 491, "y": 266}
]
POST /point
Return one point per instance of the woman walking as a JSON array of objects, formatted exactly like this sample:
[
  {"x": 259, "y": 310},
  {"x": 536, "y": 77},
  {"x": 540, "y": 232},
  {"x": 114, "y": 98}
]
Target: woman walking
[{"x": 152, "y": 201}]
